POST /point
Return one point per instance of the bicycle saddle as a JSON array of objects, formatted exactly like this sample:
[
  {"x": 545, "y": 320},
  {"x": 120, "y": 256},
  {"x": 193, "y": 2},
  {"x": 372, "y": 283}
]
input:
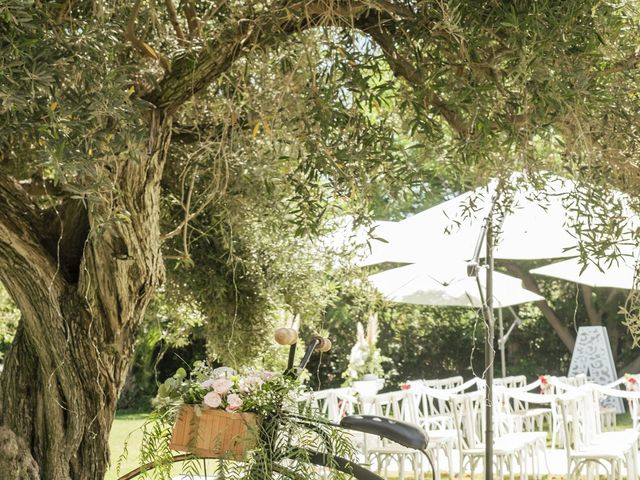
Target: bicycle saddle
[{"x": 403, "y": 433}]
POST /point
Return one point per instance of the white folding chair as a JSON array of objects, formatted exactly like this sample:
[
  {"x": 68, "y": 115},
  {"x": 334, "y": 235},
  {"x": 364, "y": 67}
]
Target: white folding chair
[
  {"x": 509, "y": 424},
  {"x": 331, "y": 404},
  {"x": 438, "y": 424},
  {"x": 516, "y": 381},
  {"x": 527, "y": 418},
  {"x": 468, "y": 411},
  {"x": 382, "y": 452},
  {"x": 585, "y": 449}
]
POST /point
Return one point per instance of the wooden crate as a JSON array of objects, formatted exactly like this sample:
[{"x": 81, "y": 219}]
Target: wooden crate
[{"x": 215, "y": 433}]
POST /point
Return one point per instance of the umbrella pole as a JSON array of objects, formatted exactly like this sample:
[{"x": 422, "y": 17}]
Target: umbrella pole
[
  {"x": 489, "y": 353},
  {"x": 501, "y": 344}
]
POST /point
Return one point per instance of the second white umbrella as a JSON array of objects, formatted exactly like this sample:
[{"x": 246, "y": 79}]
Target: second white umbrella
[
  {"x": 619, "y": 274},
  {"x": 447, "y": 285}
]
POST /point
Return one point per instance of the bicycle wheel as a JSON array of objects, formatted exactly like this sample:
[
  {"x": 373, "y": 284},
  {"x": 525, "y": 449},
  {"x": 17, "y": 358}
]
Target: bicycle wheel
[
  {"x": 334, "y": 462},
  {"x": 279, "y": 472},
  {"x": 149, "y": 467}
]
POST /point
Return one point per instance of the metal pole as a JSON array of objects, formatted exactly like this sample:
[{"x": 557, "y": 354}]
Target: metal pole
[
  {"x": 486, "y": 233},
  {"x": 501, "y": 344},
  {"x": 489, "y": 353}
]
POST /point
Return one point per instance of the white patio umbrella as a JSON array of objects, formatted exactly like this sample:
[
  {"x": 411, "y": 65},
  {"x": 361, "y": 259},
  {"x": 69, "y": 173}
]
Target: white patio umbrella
[
  {"x": 618, "y": 274},
  {"x": 448, "y": 285},
  {"x": 538, "y": 225},
  {"x": 529, "y": 229},
  {"x": 447, "y": 282}
]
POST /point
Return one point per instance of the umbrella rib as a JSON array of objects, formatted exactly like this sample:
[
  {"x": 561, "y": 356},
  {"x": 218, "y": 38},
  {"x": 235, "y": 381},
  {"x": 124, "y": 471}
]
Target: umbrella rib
[{"x": 400, "y": 287}]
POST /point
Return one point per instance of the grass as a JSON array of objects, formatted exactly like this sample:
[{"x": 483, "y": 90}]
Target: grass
[
  {"x": 126, "y": 428},
  {"x": 623, "y": 421}
]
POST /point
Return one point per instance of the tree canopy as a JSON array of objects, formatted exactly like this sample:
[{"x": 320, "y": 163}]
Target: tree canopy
[{"x": 214, "y": 139}]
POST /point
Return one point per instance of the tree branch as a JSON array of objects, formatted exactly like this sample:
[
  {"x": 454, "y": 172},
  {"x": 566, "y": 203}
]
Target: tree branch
[
  {"x": 62, "y": 228},
  {"x": 548, "y": 312},
  {"x": 192, "y": 72},
  {"x": 212, "y": 132},
  {"x": 376, "y": 27},
  {"x": 145, "y": 49},
  {"x": 594, "y": 315},
  {"x": 193, "y": 22},
  {"x": 212, "y": 11},
  {"x": 28, "y": 271},
  {"x": 20, "y": 240},
  {"x": 173, "y": 18},
  {"x": 613, "y": 293},
  {"x": 65, "y": 8}
]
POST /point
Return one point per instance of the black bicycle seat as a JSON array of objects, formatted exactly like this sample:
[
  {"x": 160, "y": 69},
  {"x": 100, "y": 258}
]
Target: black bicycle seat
[{"x": 403, "y": 433}]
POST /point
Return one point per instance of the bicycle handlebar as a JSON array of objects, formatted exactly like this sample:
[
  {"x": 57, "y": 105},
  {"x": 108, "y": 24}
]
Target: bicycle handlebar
[
  {"x": 324, "y": 344},
  {"x": 288, "y": 336}
]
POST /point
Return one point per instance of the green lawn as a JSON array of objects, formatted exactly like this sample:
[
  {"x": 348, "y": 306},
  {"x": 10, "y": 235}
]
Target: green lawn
[
  {"x": 624, "y": 421},
  {"x": 126, "y": 428}
]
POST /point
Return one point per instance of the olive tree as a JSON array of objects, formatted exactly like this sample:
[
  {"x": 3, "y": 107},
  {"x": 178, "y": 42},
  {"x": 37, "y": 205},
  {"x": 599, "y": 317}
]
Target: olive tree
[{"x": 126, "y": 126}]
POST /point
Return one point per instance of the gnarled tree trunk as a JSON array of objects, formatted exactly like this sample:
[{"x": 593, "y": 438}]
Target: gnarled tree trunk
[
  {"x": 82, "y": 288},
  {"x": 83, "y": 273}
]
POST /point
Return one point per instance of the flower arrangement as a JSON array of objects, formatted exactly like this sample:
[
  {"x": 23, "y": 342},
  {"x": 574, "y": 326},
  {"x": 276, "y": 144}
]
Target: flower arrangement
[
  {"x": 631, "y": 382},
  {"x": 365, "y": 358},
  {"x": 545, "y": 384},
  {"x": 223, "y": 388}
]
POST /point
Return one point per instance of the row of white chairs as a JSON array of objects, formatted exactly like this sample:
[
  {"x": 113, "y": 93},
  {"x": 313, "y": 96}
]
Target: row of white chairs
[
  {"x": 454, "y": 419},
  {"x": 577, "y": 418}
]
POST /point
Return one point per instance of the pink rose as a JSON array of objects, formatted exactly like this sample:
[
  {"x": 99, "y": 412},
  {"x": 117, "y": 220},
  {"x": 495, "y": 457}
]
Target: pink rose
[
  {"x": 234, "y": 402},
  {"x": 267, "y": 375},
  {"x": 213, "y": 400},
  {"x": 222, "y": 386}
]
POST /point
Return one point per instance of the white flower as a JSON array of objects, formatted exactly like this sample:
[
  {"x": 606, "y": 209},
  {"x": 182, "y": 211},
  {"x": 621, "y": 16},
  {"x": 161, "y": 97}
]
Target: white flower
[
  {"x": 223, "y": 372},
  {"x": 249, "y": 383},
  {"x": 207, "y": 383},
  {"x": 222, "y": 386},
  {"x": 213, "y": 400}
]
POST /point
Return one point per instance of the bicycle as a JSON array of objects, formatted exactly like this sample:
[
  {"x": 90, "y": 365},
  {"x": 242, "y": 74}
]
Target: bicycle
[{"x": 400, "y": 432}]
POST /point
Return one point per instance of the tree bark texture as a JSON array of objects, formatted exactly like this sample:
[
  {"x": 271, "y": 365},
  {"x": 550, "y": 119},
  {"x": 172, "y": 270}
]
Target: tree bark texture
[{"x": 82, "y": 290}]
